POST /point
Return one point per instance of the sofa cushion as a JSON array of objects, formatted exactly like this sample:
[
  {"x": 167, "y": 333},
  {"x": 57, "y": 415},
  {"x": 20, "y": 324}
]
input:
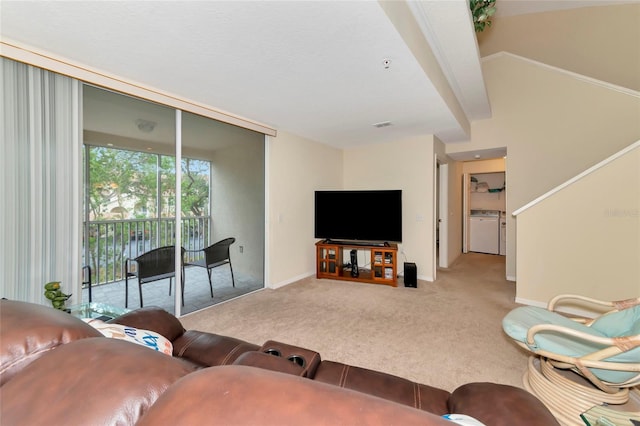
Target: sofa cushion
[
  {"x": 500, "y": 405},
  {"x": 95, "y": 381},
  {"x": 384, "y": 385},
  {"x": 239, "y": 395},
  {"x": 619, "y": 323},
  {"x": 518, "y": 322},
  {"x": 29, "y": 331}
]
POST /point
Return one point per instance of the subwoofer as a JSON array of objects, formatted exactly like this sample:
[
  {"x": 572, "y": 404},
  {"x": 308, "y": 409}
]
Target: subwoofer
[{"x": 410, "y": 275}]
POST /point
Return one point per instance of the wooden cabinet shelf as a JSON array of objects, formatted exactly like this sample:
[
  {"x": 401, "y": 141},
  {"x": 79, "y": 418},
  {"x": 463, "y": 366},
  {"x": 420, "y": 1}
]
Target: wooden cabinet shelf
[{"x": 382, "y": 269}]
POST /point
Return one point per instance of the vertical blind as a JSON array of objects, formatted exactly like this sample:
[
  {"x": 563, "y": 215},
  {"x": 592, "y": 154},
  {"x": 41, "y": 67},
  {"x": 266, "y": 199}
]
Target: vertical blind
[{"x": 40, "y": 196}]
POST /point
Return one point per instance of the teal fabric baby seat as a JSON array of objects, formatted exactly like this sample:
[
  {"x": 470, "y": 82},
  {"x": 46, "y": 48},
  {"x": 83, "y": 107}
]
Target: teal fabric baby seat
[{"x": 605, "y": 349}]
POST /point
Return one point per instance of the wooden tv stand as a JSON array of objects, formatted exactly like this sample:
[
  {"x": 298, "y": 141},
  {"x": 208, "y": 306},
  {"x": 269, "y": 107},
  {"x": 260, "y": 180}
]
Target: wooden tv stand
[{"x": 330, "y": 262}]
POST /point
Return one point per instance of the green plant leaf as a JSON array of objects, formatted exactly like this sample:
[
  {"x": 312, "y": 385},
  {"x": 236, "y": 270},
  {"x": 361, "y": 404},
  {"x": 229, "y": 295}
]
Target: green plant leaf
[{"x": 482, "y": 11}]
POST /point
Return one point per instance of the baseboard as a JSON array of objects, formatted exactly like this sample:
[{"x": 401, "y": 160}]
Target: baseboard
[
  {"x": 528, "y": 302},
  {"x": 511, "y": 278},
  {"x": 291, "y": 280}
]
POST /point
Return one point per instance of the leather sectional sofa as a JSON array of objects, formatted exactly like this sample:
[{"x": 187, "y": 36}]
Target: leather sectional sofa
[{"x": 56, "y": 369}]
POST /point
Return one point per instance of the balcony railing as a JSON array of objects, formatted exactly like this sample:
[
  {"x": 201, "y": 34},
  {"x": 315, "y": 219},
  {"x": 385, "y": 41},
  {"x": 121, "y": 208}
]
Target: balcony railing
[{"x": 108, "y": 243}]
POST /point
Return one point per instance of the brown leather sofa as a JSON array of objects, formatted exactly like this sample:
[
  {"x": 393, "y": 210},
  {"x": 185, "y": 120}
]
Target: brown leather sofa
[{"x": 56, "y": 369}]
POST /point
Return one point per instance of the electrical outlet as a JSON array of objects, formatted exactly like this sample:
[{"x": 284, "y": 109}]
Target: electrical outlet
[{"x": 241, "y": 249}]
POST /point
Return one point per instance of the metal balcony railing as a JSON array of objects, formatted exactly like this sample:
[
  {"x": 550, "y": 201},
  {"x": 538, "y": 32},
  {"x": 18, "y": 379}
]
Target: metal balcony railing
[{"x": 108, "y": 243}]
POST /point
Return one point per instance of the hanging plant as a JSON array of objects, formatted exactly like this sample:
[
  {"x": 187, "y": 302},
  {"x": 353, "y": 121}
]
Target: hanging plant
[{"x": 482, "y": 11}]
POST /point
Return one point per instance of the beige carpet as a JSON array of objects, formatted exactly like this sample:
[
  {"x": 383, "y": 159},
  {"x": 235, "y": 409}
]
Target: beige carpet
[{"x": 444, "y": 333}]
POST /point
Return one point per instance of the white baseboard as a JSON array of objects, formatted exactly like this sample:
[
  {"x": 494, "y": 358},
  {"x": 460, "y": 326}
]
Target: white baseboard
[
  {"x": 291, "y": 280},
  {"x": 511, "y": 278},
  {"x": 531, "y": 302}
]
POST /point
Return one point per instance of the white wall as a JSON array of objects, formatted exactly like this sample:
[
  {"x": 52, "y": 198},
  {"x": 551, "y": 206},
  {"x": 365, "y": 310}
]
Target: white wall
[
  {"x": 296, "y": 168},
  {"x": 554, "y": 125},
  {"x": 599, "y": 41},
  {"x": 584, "y": 239},
  {"x": 407, "y": 165}
]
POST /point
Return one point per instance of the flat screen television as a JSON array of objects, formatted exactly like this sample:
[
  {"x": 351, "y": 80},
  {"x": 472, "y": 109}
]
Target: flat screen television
[{"x": 366, "y": 216}]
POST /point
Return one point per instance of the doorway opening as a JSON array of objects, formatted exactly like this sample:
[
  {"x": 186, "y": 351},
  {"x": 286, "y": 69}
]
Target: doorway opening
[{"x": 484, "y": 211}]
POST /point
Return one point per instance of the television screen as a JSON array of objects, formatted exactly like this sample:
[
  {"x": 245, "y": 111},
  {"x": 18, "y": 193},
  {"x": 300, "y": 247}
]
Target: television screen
[{"x": 367, "y": 216}]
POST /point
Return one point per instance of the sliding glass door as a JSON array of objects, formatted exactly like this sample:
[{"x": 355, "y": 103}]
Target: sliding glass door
[
  {"x": 92, "y": 180},
  {"x": 130, "y": 205}
]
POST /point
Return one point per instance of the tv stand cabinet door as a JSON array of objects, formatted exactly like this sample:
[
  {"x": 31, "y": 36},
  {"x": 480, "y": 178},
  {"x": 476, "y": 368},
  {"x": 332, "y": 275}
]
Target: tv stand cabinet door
[
  {"x": 384, "y": 265},
  {"x": 328, "y": 261}
]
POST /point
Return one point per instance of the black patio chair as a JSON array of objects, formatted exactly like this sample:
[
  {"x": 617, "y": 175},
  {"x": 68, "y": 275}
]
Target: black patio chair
[
  {"x": 215, "y": 255},
  {"x": 154, "y": 265}
]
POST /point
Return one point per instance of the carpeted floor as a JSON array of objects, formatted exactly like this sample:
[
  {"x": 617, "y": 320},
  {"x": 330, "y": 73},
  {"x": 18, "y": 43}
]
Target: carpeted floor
[{"x": 444, "y": 333}]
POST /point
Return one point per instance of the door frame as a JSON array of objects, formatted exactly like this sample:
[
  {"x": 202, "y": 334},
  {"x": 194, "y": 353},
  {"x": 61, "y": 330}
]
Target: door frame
[
  {"x": 443, "y": 216},
  {"x": 466, "y": 193},
  {"x": 440, "y": 216}
]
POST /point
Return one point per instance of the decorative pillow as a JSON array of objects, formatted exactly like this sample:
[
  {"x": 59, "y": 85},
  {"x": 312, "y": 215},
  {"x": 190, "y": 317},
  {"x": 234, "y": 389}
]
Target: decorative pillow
[
  {"x": 146, "y": 338},
  {"x": 463, "y": 419},
  {"x": 620, "y": 323}
]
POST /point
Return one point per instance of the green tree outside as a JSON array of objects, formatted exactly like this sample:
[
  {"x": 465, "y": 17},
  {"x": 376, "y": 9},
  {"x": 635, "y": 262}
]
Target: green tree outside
[{"x": 123, "y": 191}]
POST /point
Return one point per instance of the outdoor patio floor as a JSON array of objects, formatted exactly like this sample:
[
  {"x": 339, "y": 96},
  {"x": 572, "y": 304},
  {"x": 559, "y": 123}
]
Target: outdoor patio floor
[{"x": 196, "y": 293}]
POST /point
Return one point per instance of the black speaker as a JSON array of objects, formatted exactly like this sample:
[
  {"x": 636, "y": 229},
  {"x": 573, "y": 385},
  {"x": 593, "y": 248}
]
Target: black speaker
[
  {"x": 410, "y": 275},
  {"x": 354, "y": 263}
]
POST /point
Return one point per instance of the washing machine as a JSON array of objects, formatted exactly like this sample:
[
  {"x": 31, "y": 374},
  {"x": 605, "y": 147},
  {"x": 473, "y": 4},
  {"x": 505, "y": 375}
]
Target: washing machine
[{"x": 484, "y": 231}]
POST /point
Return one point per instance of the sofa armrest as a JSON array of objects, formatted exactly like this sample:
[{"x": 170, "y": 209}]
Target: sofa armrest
[
  {"x": 269, "y": 362},
  {"x": 306, "y": 358},
  {"x": 208, "y": 349},
  {"x": 500, "y": 405}
]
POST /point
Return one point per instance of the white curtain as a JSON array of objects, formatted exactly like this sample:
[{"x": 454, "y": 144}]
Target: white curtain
[{"x": 40, "y": 198}]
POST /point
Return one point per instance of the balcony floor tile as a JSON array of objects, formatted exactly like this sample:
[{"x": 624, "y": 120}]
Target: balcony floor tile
[{"x": 196, "y": 295}]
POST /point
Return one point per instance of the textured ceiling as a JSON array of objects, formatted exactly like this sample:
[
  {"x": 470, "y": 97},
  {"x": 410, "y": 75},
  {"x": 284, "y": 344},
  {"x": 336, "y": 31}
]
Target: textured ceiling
[{"x": 313, "y": 68}]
